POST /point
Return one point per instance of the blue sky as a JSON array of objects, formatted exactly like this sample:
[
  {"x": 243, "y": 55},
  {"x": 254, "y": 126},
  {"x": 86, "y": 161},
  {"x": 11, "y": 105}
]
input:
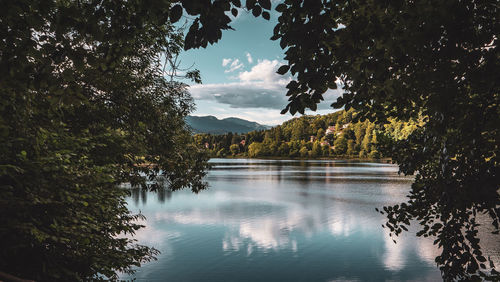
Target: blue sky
[{"x": 239, "y": 74}]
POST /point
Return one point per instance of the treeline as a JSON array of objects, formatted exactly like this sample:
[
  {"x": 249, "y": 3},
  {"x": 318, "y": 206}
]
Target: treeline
[{"x": 332, "y": 135}]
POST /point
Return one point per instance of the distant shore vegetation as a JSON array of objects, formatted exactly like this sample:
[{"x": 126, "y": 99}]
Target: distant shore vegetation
[{"x": 335, "y": 135}]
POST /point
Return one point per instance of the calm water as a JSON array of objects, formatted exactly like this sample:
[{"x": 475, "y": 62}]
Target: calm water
[{"x": 268, "y": 220}]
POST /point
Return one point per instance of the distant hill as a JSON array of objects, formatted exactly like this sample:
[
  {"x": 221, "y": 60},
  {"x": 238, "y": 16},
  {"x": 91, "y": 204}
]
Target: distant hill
[{"x": 211, "y": 124}]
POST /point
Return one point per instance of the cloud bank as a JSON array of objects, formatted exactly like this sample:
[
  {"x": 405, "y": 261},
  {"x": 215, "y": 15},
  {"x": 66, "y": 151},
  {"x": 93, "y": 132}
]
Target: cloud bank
[{"x": 260, "y": 87}]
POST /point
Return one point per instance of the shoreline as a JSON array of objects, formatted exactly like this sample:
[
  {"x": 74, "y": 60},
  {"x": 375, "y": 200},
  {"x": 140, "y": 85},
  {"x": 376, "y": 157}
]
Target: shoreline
[{"x": 385, "y": 160}]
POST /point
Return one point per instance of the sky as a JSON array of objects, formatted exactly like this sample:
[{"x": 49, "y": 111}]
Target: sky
[{"x": 239, "y": 74}]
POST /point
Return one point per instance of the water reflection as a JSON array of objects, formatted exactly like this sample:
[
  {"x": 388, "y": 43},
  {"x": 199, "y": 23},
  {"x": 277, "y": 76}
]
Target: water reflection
[
  {"x": 283, "y": 220},
  {"x": 141, "y": 195}
]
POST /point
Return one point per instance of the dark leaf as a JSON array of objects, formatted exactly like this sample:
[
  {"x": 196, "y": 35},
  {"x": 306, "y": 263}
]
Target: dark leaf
[
  {"x": 256, "y": 11},
  {"x": 283, "y": 69},
  {"x": 280, "y": 7},
  {"x": 250, "y": 4},
  {"x": 266, "y": 15},
  {"x": 266, "y": 4},
  {"x": 175, "y": 13},
  {"x": 481, "y": 258},
  {"x": 236, "y": 3}
]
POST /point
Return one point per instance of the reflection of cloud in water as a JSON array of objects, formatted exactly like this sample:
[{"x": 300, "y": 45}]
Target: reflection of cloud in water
[
  {"x": 427, "y": 250},
  {"x": 254, "y": 223},
  {"x": 396, "y": 254},
  {"x": 263, "y": 234},
  {"x": 151, "y": 236},
  {"x": 275, "y": 214},
  {"x": 394, "y": 257},
  {"x": 341, "y": 223},
  {"x": 339, "y": 228},
  {"x": 270, "y": 225}
]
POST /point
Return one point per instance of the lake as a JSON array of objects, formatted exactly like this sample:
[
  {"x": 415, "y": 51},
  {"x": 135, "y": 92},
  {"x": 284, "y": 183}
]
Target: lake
[{"x": 283, "y": 220}]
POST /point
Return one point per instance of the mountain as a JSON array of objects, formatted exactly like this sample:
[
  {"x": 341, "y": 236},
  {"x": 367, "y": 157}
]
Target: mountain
[{"x": 211, "y": 124}]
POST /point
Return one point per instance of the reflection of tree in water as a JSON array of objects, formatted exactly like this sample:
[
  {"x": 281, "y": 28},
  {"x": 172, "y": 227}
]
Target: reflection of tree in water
[
  {"x": 134, "y": 193},
  {"x": 163, "y": 194},
  {"x": 141, "y": 195}
]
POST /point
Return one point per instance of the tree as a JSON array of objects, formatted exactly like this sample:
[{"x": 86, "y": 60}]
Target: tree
[
  {"x": 236, "y": 139},
  {"x": 320, "y": 133},
  {"x": 303, "y": 152},
  {"x": 235, "y": 149},
  {"x": 316, "y": 150},
  {"x": 256, "y": 149},
  {"x": 271, "y": 148},
  {"x": 330, "y": 138},
  {"x": 350, "y": 147},
  {"x": 374, "y": 154},
  {"x": 84, "y": 107},
  {"x": 340, "y": 145},
  {"x": 325, "y": 150},
  {"x": 299, "y": 130},
  {"x": 359, "y": 133},
  {"x": 283, "y": 149},
  {"x": 435, "y": 60},
  {"x": 368, "y": 137},
  {"x": 277, "y": 134},
  {"x": 222, "y": 153}
]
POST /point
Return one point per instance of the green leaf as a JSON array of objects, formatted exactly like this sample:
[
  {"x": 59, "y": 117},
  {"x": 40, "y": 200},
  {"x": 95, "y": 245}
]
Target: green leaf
[{"x": 234, "y": 11}]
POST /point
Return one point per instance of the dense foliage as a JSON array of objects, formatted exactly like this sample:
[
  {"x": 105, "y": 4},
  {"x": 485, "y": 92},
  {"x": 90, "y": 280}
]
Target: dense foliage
[
  {"x": 332, "y": 135},
  {"x": 405, "y": 59},
  {"x": 84, "y": 107}
]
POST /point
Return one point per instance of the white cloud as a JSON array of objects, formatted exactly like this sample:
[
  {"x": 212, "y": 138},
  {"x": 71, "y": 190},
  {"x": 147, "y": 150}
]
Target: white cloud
[
  {"x": 226, "y": 61},
  {"x": 261, "y": 87},
  {"x": 249, "y": 58},
  {"x": 255, "y": 90},
  {"x": 264, "y": 70},
  {"x": 235, "y": 65}
]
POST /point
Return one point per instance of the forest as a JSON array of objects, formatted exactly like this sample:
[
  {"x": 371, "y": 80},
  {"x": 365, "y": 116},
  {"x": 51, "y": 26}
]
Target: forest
[{"x": 335, "y": 135}]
